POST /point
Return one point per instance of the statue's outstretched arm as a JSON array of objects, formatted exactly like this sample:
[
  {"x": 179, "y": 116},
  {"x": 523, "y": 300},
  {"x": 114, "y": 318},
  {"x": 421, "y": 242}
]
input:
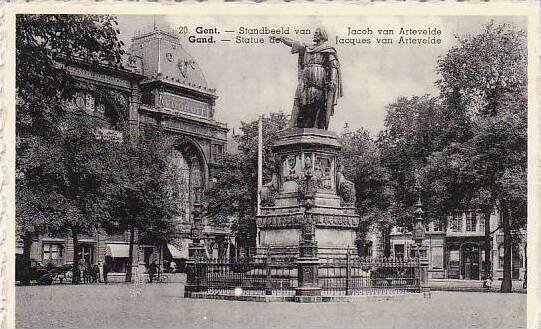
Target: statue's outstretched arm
[{"x": 285, "y": 41}]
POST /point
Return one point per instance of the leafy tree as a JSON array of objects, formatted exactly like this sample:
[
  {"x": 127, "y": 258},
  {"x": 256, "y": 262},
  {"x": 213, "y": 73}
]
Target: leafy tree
[
  {"x": 486, "y": 77},
  {"x": 150, "y": 193},
  {"x": 66, "y": 185},
  {"x": 50, "y": 139},
  {"x": 42, "y": 82},
  {"x": 235, "y": 192},
  {"x": 361, "y": 162},
  {"x": 412, "y": 132}
]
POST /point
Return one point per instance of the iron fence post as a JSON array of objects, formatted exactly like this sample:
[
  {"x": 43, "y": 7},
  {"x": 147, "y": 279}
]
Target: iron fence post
[
  {"x": 268, "y": 281},
  {"x": 348, "y": 272}
]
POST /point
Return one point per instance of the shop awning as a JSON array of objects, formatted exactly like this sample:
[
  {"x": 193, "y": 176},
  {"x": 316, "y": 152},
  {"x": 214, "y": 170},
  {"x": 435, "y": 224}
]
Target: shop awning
[
  {"x": 177, "y": 252},
  {"x": 117, "y": 250}
]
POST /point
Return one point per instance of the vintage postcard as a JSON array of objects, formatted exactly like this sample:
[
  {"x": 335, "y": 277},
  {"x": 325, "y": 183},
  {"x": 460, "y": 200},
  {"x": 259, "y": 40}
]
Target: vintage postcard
[{"x": 216, "y": 165}]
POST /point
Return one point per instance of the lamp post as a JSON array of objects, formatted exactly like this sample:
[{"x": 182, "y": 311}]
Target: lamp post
[
  {"x": 308, "y": 290},
  {"x": 196, "y": 251},
  {"x": 418, "y": 236}
]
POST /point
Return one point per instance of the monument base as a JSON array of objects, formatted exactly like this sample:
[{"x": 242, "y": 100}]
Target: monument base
[{"x": 308, "y": 188}]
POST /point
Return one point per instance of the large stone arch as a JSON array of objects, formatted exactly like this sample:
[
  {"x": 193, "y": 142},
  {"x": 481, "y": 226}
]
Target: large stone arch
[
  {"x": 191, "y": 165},
  {"x": 192, "y": 148}
]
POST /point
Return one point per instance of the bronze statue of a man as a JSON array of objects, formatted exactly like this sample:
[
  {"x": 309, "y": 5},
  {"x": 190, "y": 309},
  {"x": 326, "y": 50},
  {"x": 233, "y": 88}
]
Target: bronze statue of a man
[{"x": 319, "y": 82}]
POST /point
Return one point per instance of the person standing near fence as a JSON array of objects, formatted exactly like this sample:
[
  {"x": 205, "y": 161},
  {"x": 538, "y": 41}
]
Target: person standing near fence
[
  {"x": 152, "y": 270},
  {"x": 105, "y": 271}
]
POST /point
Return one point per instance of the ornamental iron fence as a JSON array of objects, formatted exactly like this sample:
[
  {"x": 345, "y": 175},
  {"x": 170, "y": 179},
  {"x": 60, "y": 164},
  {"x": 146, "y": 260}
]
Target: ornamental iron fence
[{"x": 273, "y": 271}]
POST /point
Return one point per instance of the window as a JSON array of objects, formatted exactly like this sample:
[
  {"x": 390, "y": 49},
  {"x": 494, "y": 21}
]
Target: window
[
  {"x": 471, "y": 222},
  {"x": 52, "y": 251},
  {"x": 87, "y": 253},
  {"x": 217, "y": 151},
  {"x": 481, "y": 222},
  {"x": 438, "y": 226},
  {"x": 399, "y": 251},
  {"x": 366, "y": 249},
  {"x": 117, "y": 265},
  {"x": 500, "y": 256},
  {"x": 516, "y": 257},
  {"x": 456, "y": 223},
  {"x": 437, "y": 257}
]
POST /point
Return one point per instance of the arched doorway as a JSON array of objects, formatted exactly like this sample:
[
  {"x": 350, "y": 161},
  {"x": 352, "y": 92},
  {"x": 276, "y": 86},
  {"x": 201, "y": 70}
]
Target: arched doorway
[
  {"x": 188, "y": 172},
  {"x": 470, "y": 261}
]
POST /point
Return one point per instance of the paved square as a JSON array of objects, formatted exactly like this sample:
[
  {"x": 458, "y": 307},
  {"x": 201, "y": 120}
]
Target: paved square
[{"x": 162, "y": 306}]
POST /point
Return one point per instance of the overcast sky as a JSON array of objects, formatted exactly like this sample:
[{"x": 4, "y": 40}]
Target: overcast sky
[{"x": 252, "y": 78}]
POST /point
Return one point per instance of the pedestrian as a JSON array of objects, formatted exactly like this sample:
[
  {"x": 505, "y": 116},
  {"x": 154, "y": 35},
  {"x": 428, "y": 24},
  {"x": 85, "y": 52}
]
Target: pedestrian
[
  {"x": 105, "y": 271},
  {"x": 173, "y": 266},
  {"x": 487, "y": 284},
  {"x": 152, "y": 270},
  {"x": 95, "y": 273},
  {"x": 86, "y": 272},
  {"x": 80, "y": 269}
]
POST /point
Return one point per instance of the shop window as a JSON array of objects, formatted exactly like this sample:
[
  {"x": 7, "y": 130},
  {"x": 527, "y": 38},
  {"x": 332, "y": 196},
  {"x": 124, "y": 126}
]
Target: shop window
[
  {"x": 52, "y": 251},
  {"x": 437, "y": 257},
  {"x": 117, "y": 265},
  {"x": 471, "y": 222}
]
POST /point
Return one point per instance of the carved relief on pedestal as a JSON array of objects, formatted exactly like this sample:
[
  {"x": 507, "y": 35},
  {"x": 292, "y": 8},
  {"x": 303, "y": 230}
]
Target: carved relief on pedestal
[
  {"x": 308, "y": 223},
  {"x": 308, "y": 274},
  {"x": 290, "y": 173},
  {"x": 323, "y": 173}
]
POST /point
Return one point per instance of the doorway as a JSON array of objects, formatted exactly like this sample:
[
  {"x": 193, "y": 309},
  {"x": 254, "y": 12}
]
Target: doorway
[
  {"x": 86, "y": 252},
  {"x": 470, "y": 261}
]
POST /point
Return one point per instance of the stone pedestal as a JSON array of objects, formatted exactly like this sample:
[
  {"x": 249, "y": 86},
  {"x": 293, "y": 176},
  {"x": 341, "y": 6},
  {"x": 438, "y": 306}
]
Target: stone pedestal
[{"x": 307, "y": 155}]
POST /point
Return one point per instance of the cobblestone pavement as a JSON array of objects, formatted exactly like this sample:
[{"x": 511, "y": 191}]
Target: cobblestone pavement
[{"x": 162, "y": 306}]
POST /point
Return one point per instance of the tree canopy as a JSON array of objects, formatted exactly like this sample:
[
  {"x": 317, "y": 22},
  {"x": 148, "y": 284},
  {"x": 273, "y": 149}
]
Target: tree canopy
[{"x": 234, "y": 195}]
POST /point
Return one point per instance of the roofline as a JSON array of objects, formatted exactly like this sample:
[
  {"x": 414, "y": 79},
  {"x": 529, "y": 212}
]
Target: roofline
[
  {"x": 207, "y": 92},
  {"x": 105, "y": 68}
]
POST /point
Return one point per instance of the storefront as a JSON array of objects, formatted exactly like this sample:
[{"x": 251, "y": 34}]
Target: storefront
[
  {"x": 465, "y": 257},
  {"x": 116, "y": 257}
]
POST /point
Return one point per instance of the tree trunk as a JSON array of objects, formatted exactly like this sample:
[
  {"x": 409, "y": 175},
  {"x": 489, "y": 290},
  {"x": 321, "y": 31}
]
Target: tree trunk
[
  {"x": 76, "y": 270},
  {"x": 130, "y": 255},
  {"x": 487, "y": 265},
  {"x": 506, "y": 282},
  {"x": 27, "y": 264}
]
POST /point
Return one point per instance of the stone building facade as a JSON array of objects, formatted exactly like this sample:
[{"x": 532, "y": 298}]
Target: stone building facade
[
  {"x": 160, "y": 85},
  {"x": 457, "y": 250}
]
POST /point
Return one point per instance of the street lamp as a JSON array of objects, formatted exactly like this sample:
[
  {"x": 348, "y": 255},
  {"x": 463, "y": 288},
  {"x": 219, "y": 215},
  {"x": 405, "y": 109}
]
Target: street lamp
[{"x": 418, "y": 236}]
